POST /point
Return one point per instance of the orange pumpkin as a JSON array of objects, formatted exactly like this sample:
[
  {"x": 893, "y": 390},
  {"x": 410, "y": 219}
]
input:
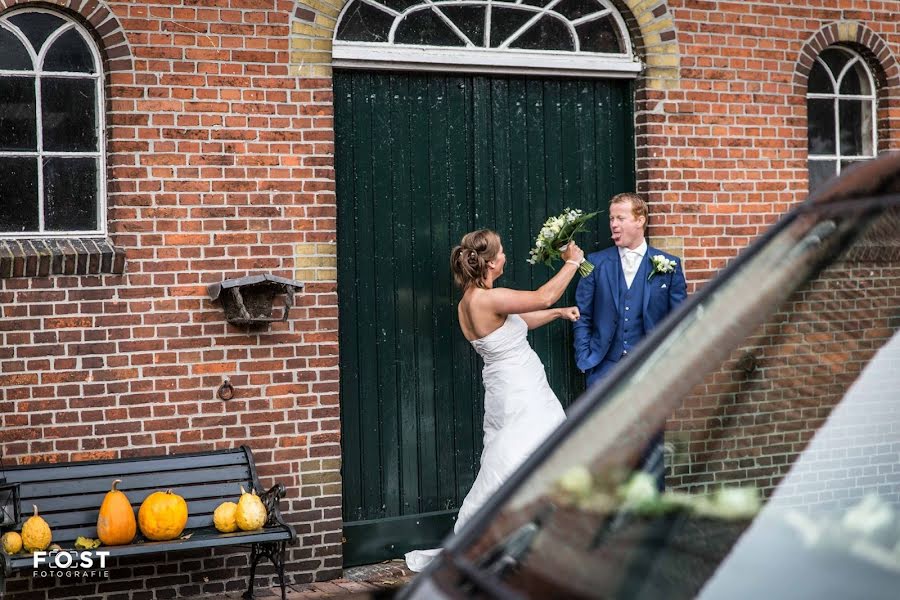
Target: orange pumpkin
[
  {"x": 162, "y": 516},
  {"x": 116, "y": 524}
]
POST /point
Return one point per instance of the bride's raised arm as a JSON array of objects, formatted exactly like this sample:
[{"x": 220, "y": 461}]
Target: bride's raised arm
[{"x": 505, "y": 301}]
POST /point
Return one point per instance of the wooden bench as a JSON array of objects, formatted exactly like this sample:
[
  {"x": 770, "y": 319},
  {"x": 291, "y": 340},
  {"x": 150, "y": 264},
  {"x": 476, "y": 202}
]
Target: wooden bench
[{"x": 68, "y": 496}]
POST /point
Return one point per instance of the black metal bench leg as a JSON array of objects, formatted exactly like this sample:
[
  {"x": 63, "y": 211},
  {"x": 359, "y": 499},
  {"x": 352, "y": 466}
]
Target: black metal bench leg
[
  {"x": 254, "y": 558},
  {"x": 279, "y": 566},
  {"x": 274, "y": 551}
]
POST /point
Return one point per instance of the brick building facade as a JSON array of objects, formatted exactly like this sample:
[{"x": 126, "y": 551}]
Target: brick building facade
[{"x": 219, "y": 130}]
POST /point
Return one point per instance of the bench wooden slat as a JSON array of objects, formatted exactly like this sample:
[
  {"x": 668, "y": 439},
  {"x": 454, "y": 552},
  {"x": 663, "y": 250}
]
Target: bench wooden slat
[
  {"x": 148, "y": 482},
  {"x": 65, "y": 533},
  {"x": 115, "y": 469},
  {"x": 200, "y": 514},
  {"x": 196, "y": 493}
]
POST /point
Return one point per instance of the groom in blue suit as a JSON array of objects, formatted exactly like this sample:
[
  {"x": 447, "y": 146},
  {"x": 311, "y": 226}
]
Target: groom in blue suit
[{"x": 630, "y": 290}]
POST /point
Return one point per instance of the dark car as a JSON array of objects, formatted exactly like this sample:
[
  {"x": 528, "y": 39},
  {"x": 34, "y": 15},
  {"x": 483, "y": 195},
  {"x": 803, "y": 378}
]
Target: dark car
[{"x": 779, "y": 386}]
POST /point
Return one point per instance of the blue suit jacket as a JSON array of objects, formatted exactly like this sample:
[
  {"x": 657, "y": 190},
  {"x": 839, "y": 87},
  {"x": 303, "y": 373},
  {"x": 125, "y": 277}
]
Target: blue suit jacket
[{"x": 597, "y": 297}]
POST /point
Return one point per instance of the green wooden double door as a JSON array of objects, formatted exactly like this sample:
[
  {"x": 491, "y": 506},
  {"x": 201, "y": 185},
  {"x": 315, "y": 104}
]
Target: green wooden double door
[{"x": 422, "y": 159}]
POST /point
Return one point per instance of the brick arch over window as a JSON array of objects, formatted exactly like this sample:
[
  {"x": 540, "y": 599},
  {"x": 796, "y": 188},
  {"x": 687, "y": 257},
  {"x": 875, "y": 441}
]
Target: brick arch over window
[
  {"x": 878, "y": 55},
  {"x": 650, "y": 23},
  {"x": 104, "y": 24}
]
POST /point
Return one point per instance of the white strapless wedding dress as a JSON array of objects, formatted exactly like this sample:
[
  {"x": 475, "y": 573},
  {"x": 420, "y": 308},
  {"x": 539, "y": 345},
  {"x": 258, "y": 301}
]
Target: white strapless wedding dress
[{"x": 520, "y": 411}]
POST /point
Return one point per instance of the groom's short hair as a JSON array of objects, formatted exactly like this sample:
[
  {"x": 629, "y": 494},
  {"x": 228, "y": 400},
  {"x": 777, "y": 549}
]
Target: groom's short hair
[{"x": 639, "y": 206}]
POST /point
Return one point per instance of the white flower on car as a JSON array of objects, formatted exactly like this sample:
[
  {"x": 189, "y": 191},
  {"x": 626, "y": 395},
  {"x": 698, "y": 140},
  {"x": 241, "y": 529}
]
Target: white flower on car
[
  {"x": 640, "y": 489},
  {"x": 576, "y": 481}
]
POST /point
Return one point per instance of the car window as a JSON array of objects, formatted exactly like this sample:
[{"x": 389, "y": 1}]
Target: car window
[{"x": 774, "y": 436}]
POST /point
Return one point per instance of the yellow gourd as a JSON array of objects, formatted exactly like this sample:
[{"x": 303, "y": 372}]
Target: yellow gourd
[
  {"x": 162, "y": 516},
  {"x": 115, "y": 523},
  {"x": 251, "y": 513},
  {"x": 36, "y": 533},
  {"x": 224, "y": 517},
  {"x": 11, "y": 542}
]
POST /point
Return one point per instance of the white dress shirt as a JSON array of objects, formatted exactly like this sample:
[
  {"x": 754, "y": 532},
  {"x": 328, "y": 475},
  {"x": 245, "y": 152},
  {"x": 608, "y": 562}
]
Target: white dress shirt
[{"x": 631, "y": 261}]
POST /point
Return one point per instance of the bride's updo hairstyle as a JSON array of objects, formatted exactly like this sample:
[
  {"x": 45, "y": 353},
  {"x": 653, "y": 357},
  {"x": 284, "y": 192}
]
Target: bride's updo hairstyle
[{"x": 469, "y": 260}]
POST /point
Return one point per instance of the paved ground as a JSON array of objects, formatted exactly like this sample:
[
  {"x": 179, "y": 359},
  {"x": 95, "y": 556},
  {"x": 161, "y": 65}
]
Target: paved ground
[{"x": 356, "y": 580}]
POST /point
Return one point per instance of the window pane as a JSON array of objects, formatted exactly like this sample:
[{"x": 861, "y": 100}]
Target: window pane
[
  {"x": 821, "y": 126},
  {"x": 426, "y": 27},
  {"x": 820, "y": 171},
  {"x": 69, "y": 53},
  {"x": 37, "y": 26},
  {"x": 469, "y": 19},
  {"x": 819, "y": 81},
  {"x": 13, "y": 55},
  {"x": 547, "y": 34},
  {"x": 835, "y": 59},
  {"x": 856, "y": 127},
  {"x": 599, "y": 36},
  {"x": 398, "y": 5},
  {"x": 18, "y": 116},
  {"x": 70, "y": 194},
  {"x": 505, "y": 22},
  {"x": 365, "y": 23},
  {"x": 18, "y": 194},
  {"x": 573, "y": 9},
  {"x": 69, "y": 114},
  {"x": 847, "y": 164}
]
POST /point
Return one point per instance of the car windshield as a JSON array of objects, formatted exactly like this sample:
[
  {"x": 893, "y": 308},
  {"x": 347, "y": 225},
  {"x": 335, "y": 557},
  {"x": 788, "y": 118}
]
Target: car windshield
[{"x": 780, "y": 395}]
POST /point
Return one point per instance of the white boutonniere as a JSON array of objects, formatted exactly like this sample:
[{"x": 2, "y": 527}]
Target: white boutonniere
[{"x": 661, "y": 264}]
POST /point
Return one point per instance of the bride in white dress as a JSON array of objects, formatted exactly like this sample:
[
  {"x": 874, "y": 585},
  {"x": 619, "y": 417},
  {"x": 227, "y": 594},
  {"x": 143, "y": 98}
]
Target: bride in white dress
[{"x": 520, "y": 409}]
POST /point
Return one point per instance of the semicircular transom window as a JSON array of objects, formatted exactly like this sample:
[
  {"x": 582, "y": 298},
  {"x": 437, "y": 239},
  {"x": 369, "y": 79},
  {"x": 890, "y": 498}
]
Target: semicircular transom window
[
  {"x": 527, "y": 35},
  {"x": 51, "y": 118}
]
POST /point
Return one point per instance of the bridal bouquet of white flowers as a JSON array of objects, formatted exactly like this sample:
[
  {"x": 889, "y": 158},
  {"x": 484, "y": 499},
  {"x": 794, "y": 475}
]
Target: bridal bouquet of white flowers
[{"x": 555, "y": 233}]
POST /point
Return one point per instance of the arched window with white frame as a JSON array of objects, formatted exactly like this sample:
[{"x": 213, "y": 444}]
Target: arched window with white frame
[
  {"x": 52, "y": 163},
  {"x": 841, "y": 109},
  {"x": 576, "y": 37}
]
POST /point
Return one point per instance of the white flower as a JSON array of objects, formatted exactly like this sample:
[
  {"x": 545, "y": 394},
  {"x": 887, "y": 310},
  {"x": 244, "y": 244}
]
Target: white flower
[
  {"x": 661, "y": 264},
  {"x": 639, "y": 489},
  {"x": 555, "y": 233},
  {"x": 576, "y": 481},
  {"x": 738, "y": 502}
]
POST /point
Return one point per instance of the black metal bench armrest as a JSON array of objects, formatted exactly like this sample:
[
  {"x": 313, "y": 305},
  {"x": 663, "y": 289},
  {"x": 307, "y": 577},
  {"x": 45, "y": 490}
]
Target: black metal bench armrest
[{"x": 270, "y": 499}]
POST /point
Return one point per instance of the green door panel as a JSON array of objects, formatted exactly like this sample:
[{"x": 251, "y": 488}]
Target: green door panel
[{"x": 421, "y": 159}]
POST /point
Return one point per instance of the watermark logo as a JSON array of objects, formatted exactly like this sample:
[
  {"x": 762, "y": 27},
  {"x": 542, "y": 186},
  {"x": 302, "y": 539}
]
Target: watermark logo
[{"x": 68, "y": 564}]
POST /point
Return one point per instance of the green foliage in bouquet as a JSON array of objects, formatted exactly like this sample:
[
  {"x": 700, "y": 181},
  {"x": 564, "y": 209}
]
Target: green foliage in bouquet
[{"x": 555, "y": 233}]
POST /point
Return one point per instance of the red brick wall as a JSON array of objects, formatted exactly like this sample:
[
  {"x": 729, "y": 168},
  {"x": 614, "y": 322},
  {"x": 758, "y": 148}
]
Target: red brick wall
[
  {"x": 220, "y": 165},
  {"x": 722, "y": 153}
]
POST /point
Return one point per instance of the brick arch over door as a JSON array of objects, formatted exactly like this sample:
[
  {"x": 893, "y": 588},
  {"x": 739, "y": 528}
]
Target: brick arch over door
[
  {"x": 103, "y": 23},
  {"x": 650, "y": 23},
  {"x": 878, "y": 54}
]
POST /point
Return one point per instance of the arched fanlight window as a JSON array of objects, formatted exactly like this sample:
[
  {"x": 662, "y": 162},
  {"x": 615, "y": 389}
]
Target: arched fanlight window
[
  {"x": 51, "y": 122},
  {"x": 576, "y": 36},
  {"x": 840, "y": 105}
]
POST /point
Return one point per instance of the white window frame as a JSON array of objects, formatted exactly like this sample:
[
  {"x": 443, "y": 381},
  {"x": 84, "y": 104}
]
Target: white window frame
[
  {"x": 37, "y": 74},
  {"x": 837, "y": 96},
  {"x": 479, "y": 59}
]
